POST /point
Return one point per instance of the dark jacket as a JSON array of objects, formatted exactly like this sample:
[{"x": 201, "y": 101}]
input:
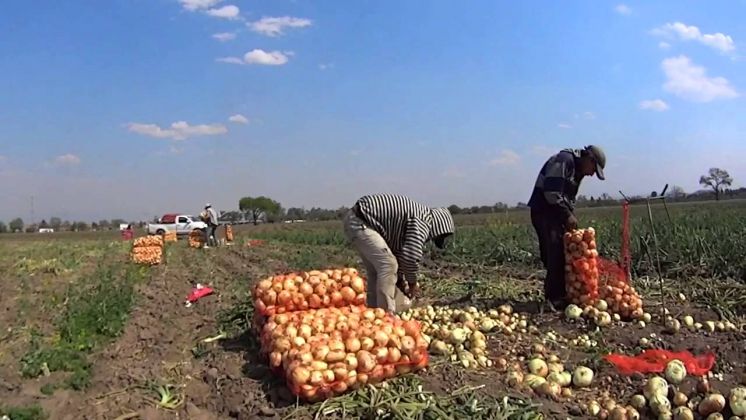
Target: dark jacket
[{"x": 556, "y": 186}]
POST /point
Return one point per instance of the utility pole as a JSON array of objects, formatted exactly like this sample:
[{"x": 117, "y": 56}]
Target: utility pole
[{"x": 32, "y": 210}]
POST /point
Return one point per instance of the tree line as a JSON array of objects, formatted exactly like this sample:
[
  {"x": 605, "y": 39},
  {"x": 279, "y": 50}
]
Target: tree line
[{"x": 263, "y": 209}]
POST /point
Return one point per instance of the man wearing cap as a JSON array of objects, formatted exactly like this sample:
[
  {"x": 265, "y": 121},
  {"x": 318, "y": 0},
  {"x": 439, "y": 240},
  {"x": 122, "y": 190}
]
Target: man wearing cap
[
  {"x": 552, "y": 211},
  {"x": 389, "y": 232},
  {"x": 212, "y": 225}
]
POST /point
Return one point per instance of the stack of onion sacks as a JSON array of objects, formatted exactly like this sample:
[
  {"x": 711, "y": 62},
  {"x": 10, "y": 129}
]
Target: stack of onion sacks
[
  {"x": 581, "y": 267},
  {"x": 309, "y": 290},
  {"x": 360, "y": 346}
]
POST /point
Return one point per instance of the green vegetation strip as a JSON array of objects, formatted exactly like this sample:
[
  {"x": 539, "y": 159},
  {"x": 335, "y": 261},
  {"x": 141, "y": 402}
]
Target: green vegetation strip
[
  {"x": 92, "y": 317},
  {"x": 32, "y": 412},
  {"x": 405, "y": 398}
]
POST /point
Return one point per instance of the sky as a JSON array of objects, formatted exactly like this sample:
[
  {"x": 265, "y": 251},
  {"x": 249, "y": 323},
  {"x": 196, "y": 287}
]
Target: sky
[{"x": 135, "y": 108}]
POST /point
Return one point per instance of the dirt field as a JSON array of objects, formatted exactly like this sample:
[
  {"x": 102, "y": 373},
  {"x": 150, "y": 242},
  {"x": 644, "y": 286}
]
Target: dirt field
[{"x": 88, "y": 335}]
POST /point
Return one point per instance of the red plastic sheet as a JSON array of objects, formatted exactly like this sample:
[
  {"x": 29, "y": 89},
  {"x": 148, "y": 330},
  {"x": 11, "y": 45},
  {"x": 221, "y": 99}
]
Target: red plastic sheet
[{"x": 655, "y": 361}]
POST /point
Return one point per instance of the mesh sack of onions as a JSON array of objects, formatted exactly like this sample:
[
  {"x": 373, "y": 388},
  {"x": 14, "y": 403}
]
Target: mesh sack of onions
[
  {"x": 147, "y": 255},
  {"x": 581, "y": 267},
  {"x": 170, "y": 237},
  {"x": 309, "y": 290},
  {"x": 196, "y": 239},
  {"x": 620, "y": 295},
  {"x": 328, "y": 352},
  {"x": 150, "y": 240}
]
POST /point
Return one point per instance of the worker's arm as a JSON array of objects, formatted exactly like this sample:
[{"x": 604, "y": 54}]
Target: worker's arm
[
  {"x": 410, "y": 254},
  {"x": 555, "y": 179}
]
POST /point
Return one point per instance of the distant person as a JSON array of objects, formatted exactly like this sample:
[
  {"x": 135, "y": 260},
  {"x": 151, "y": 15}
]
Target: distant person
[
  {"x": 211, "y": 217},
  {"x": 389, "y": 232},
  {"x": 552, "y": 211}
]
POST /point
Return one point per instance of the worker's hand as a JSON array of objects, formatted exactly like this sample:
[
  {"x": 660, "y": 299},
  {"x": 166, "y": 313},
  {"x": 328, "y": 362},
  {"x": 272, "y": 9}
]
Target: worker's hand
[
  {"x": 414, "y": 290},
  {"x": 571, "y": 223}
]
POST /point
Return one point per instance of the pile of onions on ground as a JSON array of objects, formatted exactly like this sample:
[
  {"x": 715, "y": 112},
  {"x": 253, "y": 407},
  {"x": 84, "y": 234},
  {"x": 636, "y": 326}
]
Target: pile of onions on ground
[
  {"x": 309, "y": 290},
  {"x": 581, "y": 266},
  {"x": 329, "y": 351},
  {"x": 147, "y": 250}
]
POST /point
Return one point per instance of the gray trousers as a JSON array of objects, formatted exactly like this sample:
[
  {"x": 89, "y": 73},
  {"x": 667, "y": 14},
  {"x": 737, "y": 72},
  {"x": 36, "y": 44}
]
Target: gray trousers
[{"x": 381, "y": 266}]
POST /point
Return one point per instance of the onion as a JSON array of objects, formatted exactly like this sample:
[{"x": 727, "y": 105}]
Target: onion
[
  {"x": 534, "y": 381},
  {"x": 538, "y": 367},
  {"x": 683, "y": 413},
  {"x": 675, "y": 372},
  {"x": 367, "y": 344},
  {"x": 655, "y": 386},
  {"x": 737, "y": 401},
  {"x": 680, "y": 399},
  {"x": 335, "y": 356},
  {"x": 300, "y": 375},
  {"x": 638, "y": 401},
  {"x": 317, "y": 378},
  {"x": 381, "y": 338},
  {"x": 713, "y": 403},
  {"x": 549, "y": 389},
  {"x": 366, "y": 361},
  {"x": 382, "y": 355},
  {"x": 408, "y": 344},
  {"x": 618, "y": 413},
  {"x": 582, "y": 377},
  {"x": 394, "y": 355}
]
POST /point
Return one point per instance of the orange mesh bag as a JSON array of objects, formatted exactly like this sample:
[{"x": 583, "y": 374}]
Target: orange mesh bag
[
  {"x": 581, "y": 266},
  {"x": 309, "y": 290},
  {"x": 655, "y": 361},
  {"x": 196, "y": 239},
  {"x": 147, "y": 255},
  {"x": 329, "y": 364},
  {"x": 229, "y": 233},
  {"x": 615, "y": 288}
]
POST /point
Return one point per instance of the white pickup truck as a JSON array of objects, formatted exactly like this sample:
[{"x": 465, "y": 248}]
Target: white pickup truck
[{"x": 183, "y": 225}]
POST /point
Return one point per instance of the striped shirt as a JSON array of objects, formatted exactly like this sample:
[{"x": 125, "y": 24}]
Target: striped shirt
[
  {"x": 405, "y": 225},
  {"x": 556, "y": 186}
]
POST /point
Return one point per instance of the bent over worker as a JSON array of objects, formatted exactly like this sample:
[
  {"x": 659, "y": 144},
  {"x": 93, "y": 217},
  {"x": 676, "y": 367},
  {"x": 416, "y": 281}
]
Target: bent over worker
[
  {"x": 390, "y": 232},
  {"x": 552, "y": 211}
]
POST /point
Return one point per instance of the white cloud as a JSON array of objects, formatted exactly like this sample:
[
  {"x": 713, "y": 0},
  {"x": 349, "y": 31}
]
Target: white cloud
[
  {"x": 326, "y": 66},
  {"x": 623, "y": 9},
  {"x": 505, "y": 157},
  {"x": 226, "y": 12},
  {"x": 564, "y": 125},
  {"x": 238, "y": 119},
  {"x": 261, "y": 57},
  {"x": 275, "y": 26},
  {"x": 719, "y": 41},
  {"x": 179, "y": 130},
  {"x": 589, "y": 115},
  {"x": 193, "y": 5},
  {"x": 664, "y": 45},
  {"x": 67, "y": 160},
  {"x": 689, "y": 81},
  {"x": 224, "y": 36},
  {"x": 654, "y": 105}
]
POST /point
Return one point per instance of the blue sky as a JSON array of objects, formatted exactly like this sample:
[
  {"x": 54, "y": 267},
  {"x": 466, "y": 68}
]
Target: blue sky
[{"x": 144, "y": 107}]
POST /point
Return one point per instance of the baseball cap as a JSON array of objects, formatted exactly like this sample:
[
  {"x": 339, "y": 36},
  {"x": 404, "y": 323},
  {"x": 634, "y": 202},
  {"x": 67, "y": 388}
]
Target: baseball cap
[
  {"x": 208, "y": 205},
  {"x": 600, "y": 158}
]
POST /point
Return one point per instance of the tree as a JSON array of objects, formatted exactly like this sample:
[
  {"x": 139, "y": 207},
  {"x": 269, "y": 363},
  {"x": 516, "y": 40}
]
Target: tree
[
  {"x": 295, "y": 213},
  {"x": 103, "y": 224},
  {"x": 55, "y": 223},
  {"x": 116, "y": 222},
  {"x": 454, "y": 209},
  {"x": 94, "y": 226},
  {"x": 16, "y": 225},
  {"x": 80, "y": 226},
  {"x": 230, "y": 216},
  {"x": 43, "y": 224},
  {"x": 3, "y": 227},
  {"x": 716, "y": 179},
  {"x": 258, "y": 207}
]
